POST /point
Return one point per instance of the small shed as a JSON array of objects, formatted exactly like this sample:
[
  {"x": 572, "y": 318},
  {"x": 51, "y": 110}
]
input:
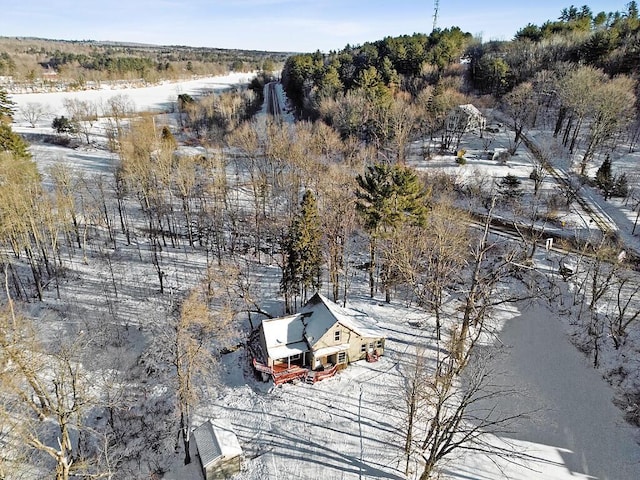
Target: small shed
[{"x": 219, "y": 451}]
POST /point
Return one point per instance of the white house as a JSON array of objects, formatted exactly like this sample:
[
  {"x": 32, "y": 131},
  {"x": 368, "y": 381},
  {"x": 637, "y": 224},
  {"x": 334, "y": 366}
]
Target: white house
[{"x": 465, "y": 118}]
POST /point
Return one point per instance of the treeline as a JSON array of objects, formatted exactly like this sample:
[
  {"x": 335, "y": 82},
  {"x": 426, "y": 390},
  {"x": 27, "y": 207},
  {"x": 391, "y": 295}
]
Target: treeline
[
  {"x": 103, "y": 62},
  {"x": 382, "y": 67},
  {"x": 26, "y": 59},
  {"x": 606, "y": 41}
]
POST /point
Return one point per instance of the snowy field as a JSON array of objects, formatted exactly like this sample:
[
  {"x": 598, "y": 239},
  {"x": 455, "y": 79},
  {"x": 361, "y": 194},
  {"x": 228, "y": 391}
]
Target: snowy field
[
  {"x": 346, "y": 427},
  {"x": 160, "y": 97}
]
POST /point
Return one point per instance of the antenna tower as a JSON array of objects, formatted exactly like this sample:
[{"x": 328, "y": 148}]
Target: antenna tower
[{"x": 436, "y": 5}]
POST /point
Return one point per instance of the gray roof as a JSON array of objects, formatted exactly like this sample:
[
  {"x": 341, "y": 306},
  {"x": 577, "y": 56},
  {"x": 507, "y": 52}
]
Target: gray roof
[
  {"x": 216, "y": 441},
  {"x": 324, "y": 314},
  {"x": 295, "y": 334}
]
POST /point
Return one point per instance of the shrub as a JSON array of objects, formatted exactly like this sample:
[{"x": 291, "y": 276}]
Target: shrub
[
  {"x": 63, "y": 125},
  {"x": 460, "y": 160},
  {"x": 509, "y": 186}
]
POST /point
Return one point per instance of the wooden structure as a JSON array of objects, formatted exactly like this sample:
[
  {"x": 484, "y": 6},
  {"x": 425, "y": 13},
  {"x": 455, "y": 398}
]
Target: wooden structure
[
  {"x": 315, "y": 343},
  {"x": 219, "y": 451}
]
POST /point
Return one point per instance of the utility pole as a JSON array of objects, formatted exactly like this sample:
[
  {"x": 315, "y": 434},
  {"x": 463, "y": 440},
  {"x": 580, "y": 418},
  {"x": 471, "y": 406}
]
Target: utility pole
[{"x": 436, "y": 5}]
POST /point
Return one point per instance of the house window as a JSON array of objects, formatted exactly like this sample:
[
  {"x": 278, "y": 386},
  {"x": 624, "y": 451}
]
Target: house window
[
  {"x": 363, "y": 348},
  {"x": 336, "y": 335},
  {"x": 295, "y": 357},
  {"x": 379, "y": 344},
  {"x": 342, "y": 357}
]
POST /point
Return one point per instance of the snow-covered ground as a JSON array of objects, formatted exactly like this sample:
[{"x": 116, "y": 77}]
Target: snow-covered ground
[
  {"x": 153, "y": 98},
  {"x": 573, "y": 424},
  {"x": 346, "y": 427}
]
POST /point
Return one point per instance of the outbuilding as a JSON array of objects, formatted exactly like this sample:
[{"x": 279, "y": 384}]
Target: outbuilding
[{"x": 219, "y": 450}]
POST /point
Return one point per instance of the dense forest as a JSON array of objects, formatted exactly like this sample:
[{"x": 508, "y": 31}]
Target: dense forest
[{"x": 605, "y": 41}]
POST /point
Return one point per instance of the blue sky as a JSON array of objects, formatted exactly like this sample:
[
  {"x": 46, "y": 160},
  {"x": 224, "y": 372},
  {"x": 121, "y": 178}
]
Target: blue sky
[{"x": 274, "y": 25}]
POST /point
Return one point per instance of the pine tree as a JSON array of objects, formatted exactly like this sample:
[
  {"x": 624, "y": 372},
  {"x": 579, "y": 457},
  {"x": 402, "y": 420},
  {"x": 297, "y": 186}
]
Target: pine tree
[
  {"x": 509, "y": 187},
  {"x": 12, "y": 142},
  {"x": 302, "y": 251},
  {"x": 6, "y": 107},
  {"x": 388, "y": 196},
  {"x": 605, "y": 179}
]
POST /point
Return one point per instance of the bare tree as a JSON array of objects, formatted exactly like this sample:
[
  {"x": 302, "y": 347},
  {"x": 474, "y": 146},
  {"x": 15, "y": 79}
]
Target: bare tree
[
  {"x": 413, "y": 401},
  {"x": 83, "y": 115},
  {"x": 191, "y": 359},
  {"x": 613, "y": 104},
  {"x": 451, "y": 408},
  {"x": 600, "y": 264},
  {"x": 118, "y": 108},
  {"x": 520, "y": 107},
  {"x": 50, "y": 390},
  {"x": 489, "y": 267},
  {"x": 621, "y": 314},
  {"x": 446, "y": 237},
  {"x": 33, "y": 112},
  {"x": 202, "y": 330},
  {"x": 338, "y": 215}
]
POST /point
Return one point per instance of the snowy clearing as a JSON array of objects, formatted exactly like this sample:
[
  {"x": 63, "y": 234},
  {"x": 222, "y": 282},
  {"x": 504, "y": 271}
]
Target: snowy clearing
[{"x": 346, "y": 427}]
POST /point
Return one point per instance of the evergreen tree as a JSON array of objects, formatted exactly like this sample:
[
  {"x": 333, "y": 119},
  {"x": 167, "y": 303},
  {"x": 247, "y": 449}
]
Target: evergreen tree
[
  {"x": 622, "y": 186},
  {"x": 6, "y": 107},
  {"x": 302, "y": 252},
  {"x": 610, "y": 184},
  {"x": 12, "y": 142},
  {"x": 62, "y": 125},
  {"x": 604, "y": 177},
  {"x": 510, "y": 187},
  {"x": 387, "y": 197}
]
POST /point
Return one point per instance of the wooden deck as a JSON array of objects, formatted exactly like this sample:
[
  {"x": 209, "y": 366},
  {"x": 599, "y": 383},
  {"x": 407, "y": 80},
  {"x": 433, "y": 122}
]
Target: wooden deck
[
  {"x": 290, "y": 374},
  {"x": 313, "y": 377},
  {"x": 281, "y": 373},
  {"x": 283, "y": 367}
]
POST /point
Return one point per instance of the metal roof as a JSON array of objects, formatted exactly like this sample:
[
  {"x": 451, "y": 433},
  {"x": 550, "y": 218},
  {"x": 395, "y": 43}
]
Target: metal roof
[
  {"x": 325, "y": 313},
  {"x": 288, "y": 350},
  {"x": 284, "y": 336},
  {"x": 216, "y": 441},
  {"x": 296, "y": 334}
]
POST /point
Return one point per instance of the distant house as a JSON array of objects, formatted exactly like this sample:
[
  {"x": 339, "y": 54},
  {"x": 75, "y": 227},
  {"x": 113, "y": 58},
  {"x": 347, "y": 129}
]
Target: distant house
[
  {"x": 316, "y": 342},
  {"x": 465, "y": 118},
  {"x": 219, "y": 451},
  {"x": 460, "y": 120}
]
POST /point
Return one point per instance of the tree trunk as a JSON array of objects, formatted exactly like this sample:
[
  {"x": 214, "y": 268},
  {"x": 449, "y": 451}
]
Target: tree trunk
[
  {"x": 185, "y": 438},
  {"x": 562, "y": 113},
  {"x": 372, "y": 265}
]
